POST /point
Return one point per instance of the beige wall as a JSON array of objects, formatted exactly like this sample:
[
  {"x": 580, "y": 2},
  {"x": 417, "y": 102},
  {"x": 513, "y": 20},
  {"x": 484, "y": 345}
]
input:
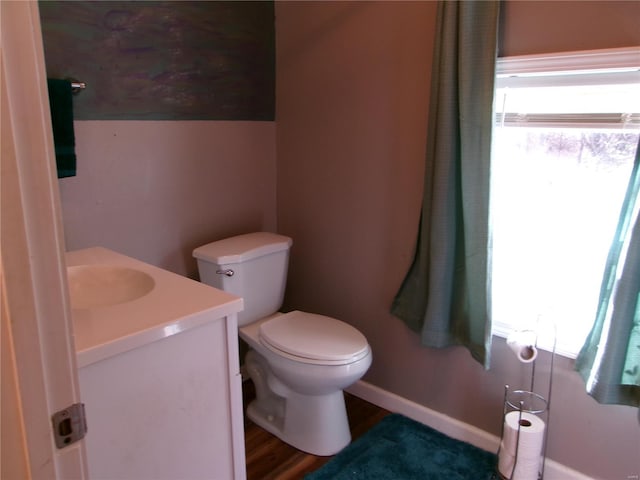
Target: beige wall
[
  {"x": 155, "y": 190},
  {"x": 563, "y": 26},
  {"x": 352, "y": 99}
]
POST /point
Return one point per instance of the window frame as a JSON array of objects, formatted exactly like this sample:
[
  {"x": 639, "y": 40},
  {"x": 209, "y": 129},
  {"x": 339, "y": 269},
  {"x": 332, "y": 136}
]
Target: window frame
[{"x": 590, "y": 67}]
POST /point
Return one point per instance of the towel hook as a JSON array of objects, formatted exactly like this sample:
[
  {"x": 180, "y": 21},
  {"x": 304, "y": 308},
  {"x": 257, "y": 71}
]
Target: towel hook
[{"x": 76, "y": 85}]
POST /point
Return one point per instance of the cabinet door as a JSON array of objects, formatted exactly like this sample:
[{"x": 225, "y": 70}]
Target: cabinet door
[{"x": 164, "y": 410}]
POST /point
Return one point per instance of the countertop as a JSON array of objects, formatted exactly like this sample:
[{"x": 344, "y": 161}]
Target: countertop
[{"x": 175, "y": 304}]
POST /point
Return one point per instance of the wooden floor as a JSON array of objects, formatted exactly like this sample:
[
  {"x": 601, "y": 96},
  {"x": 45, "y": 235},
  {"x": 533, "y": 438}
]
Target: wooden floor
[{"x": 268, "y": 458}]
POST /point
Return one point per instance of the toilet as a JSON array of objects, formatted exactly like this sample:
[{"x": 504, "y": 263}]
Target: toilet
[{"x": 299, "y": 362}]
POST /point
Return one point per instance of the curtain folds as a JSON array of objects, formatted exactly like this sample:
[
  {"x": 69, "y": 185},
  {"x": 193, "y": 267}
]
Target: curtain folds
[
  {"x": 445, "y": 295},
  {"x": 609, "y": 361}
]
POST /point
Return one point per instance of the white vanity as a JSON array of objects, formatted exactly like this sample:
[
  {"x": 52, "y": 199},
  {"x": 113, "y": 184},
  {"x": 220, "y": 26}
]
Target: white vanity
[{"x": 158, "y": 364}]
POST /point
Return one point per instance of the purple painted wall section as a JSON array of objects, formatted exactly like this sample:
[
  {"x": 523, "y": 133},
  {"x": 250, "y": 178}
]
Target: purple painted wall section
[{"x": 202, "y": 60}]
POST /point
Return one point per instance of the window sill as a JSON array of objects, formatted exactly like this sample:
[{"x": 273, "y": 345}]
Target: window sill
[{"x": 545, "y": 342}]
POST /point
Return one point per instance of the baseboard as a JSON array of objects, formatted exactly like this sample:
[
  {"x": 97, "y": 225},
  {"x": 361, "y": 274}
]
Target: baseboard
[{"x": 450, "y": 426}]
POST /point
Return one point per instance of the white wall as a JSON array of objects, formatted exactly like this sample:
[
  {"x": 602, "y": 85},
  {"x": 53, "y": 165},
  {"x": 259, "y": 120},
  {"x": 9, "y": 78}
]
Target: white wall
[{"x": 155, "y": 190}]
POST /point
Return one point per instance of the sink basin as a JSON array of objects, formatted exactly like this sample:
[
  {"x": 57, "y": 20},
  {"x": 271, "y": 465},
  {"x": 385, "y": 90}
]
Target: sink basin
[{"x": 92, "y": 286}]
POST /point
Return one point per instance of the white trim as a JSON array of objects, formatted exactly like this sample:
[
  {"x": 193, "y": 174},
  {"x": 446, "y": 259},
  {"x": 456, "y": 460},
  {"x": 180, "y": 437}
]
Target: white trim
[
  {"x": 589, "y": 67},
  {"x": 450, "y": 426},
  {"x": 621, "y": 59}
]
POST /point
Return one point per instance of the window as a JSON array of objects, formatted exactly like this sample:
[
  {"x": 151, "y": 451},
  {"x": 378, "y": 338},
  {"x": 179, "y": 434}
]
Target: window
[{"x": 567, "y": 128}]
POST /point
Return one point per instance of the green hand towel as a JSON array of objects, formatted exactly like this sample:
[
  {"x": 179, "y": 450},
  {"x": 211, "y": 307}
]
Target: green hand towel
[{"x": 61, "y": 104}]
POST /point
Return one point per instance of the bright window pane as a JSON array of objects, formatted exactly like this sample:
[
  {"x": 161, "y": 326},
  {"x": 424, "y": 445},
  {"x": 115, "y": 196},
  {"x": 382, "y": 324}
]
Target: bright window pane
[{"x": 556, "y": 197}]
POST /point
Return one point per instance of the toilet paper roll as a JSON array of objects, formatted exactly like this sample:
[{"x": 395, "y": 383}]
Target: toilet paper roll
[
  {"x": 531, "y": 427},
  {"x": 525, "y": 468},
  {"x": 523, "y": 345}
]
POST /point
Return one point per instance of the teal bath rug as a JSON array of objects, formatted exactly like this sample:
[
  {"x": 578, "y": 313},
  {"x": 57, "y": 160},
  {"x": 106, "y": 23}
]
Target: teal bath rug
[{"x": 399, "y": 448}]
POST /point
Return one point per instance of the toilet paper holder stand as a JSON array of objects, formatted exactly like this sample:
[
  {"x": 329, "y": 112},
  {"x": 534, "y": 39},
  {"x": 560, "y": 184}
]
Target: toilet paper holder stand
[
  {"x": 522, "y": 401},
  {"x": 526, "y": 401}
]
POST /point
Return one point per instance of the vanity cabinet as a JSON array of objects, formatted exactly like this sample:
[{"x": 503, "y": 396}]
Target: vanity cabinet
[{"x": 162, "y": 397}]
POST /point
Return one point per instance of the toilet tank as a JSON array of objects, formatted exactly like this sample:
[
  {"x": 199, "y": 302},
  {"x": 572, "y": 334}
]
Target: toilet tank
[{"x": 252, "y": 266}]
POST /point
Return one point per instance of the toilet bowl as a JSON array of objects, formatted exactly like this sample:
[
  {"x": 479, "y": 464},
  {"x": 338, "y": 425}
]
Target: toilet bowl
[
  {"x": 299, "y": 362},
  {"x": 300, "y": 399}
]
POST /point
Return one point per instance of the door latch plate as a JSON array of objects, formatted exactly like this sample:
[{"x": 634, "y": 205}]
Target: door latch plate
[{"x": 69, "y": 425}]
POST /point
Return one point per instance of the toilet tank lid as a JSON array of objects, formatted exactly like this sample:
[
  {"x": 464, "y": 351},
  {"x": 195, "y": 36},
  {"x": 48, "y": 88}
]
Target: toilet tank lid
[{"x": 242, "y": 247}]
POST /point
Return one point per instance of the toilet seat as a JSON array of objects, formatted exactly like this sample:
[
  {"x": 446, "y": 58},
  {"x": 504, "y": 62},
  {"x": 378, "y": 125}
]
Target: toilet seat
[{"x": 311, "y": 338}]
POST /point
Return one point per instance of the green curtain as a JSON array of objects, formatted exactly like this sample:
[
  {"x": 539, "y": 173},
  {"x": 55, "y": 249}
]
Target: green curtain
[
  {"x": 609, "y": 361},
  {"x": 445, "y": 295}
]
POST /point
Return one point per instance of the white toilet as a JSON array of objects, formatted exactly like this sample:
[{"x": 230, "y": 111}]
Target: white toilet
[{"x": 299, "y": 362}]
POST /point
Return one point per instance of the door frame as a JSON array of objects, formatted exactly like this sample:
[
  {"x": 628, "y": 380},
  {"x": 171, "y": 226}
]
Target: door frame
[{"x": 36, "y": 316}]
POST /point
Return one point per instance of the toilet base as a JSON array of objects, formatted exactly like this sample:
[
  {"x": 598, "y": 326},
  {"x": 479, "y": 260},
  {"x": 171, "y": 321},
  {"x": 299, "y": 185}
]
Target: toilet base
[
  {"x": 312, "y": 417},
  {"x": 313, "y": 424}
]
